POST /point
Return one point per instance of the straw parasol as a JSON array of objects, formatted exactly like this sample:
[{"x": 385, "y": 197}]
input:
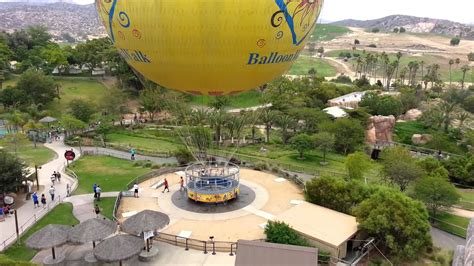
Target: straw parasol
[
  {"x": 92, "y": 230},
  {"x": 145, "y": 221},
  {"x": 48, "y": 119},
  {"x": 118, "y": 248},
  {"x": 50, "y": 236}
]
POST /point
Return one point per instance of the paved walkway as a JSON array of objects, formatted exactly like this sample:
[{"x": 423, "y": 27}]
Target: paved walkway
[
  {"x": 126, "y": 155},
  {"x": 461, "y": 212},
  {"x": 445, "y": 240},
  {"x": 83, "y": 205},
  {"x": 27, "y": 214}
]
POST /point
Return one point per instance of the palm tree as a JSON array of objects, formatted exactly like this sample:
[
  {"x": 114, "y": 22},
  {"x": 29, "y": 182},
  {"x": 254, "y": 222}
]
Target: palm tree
[
  {"x": 399, "y": 56},
  {"x": 458, "y": 61},
  {"x": 235, "y": 124},
  {"x": 413, "y": 69},
  {"x": 390, "y": 71},
  {"x": 464, "y": 70},
  {"x": 451, "y": 63},
  {"x": 285, "y": 122},
  {"x": 218, "y": 119},
  {"x": 16, "y": 119},
  {"x": 199, "y": 117},
  {"x": 403, "y": 74},
  {"x": 34, "y": 126},
  {"x": 422, "y": 64},
  {"x": 462, "y": 117},
  {"x": 252, "y": 119},
  {"x": 268, "y": 118}
]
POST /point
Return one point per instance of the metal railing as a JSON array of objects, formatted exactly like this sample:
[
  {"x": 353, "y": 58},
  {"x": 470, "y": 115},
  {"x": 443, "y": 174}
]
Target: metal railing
[
  {"x": 449, "y": 227},
  {"x": 28, "y": 224},
  {"x": 208, "y": 246}
]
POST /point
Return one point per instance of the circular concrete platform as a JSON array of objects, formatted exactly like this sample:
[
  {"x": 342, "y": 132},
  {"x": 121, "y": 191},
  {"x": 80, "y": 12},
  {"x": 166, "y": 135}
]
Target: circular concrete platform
[
  {"x": 246, "y": 197},
  {"x": 58, "y": 261},
  {"x": 148, "y": 256}
]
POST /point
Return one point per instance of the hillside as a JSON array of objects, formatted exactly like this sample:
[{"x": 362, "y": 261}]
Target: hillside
[
  {"x": 79, "y": 21},
  {"x": 413, "y": 24}
]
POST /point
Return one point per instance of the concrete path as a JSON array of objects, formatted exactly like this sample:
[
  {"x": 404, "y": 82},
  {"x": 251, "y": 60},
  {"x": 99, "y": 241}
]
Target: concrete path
[
  {"x": 446, "y": 240},
  {"x": 83, "y": 205},
  {"x": 126, "y": 155},
  {"x": 461, "y": 212},
  {"x": 27, "y": 214}
]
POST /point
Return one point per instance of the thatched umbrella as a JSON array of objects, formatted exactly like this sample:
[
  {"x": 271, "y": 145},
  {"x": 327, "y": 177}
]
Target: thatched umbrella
[
  {"x": 118, "y": 248},
  {"x": 92, "y": 230},
  {"x": 50, "y": 236},
  {"x": 48, "y": 119},
  {"x": 145, "y": 221}
]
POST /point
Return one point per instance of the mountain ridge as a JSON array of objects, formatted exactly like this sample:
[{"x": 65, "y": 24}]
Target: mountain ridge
[{"x": 413, "y": 24}]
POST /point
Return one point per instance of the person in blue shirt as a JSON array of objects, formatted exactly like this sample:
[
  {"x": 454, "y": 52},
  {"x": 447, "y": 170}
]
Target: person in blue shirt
[
  {"x": 35, "y": 199},
  {"x": 95, "y": 190}
]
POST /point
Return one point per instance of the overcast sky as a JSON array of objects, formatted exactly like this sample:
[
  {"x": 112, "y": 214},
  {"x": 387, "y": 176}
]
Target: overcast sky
[{"x": 456, "y": 10}]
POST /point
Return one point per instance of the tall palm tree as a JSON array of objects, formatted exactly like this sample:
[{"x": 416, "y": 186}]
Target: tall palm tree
[
  {"x": 462, "y": 117},
  {"x": 217, "y": 120},
  {"x": 234, "y": 125},
  {"x": 422, "y": 64},
  {"x": 464, "y": 70},
  {"x": 457, "y": 61},
  {"x": 451, "y": 63},
  {"x": 199, "y": 117},
  {"x": 33, "y": 126},
  {"x": 285, "y": 122},
  {"x": 268, "y": 117},
  {"x": 399, "y": 56}
]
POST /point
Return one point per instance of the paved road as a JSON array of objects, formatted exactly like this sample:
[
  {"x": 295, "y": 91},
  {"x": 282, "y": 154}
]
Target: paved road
[
  {"x": 27, "y": 212},
  {"x": 83, "y": 205},
  {"x": 126, "y": 155},
  {"x": 445, "y": 240}
]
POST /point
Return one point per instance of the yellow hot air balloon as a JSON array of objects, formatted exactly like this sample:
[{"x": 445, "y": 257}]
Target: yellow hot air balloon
[{"x": 213, "y": 47}]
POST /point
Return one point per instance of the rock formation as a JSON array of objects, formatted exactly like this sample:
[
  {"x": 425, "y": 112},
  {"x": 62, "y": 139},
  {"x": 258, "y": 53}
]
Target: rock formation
[
  {"x": 464, "y": 255},
  {"x": 380, "y": 129}
]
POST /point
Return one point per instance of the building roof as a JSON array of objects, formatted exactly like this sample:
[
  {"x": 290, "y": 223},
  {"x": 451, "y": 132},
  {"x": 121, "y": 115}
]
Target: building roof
[
  {"x": 323, "y": 224},
  {"x": 351, "y": 97},
  {"x": 336, "y": 111},
  {"x": 263, "y": 253}
]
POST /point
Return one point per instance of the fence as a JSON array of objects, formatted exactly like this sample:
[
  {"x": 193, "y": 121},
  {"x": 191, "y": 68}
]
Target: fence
[
  {"x": 449, "y": 227},
  {"x": 384, "y": 144},
  {"x": 288, "y": 167},
  {"x": 28, "y": 224},
  {"x": 204, "y": 246},
  {"x": 141, "y": 179}
]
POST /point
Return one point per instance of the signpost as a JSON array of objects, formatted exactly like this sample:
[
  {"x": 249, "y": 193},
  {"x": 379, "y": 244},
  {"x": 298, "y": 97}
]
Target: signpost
[{"x": 70, "y": 156}]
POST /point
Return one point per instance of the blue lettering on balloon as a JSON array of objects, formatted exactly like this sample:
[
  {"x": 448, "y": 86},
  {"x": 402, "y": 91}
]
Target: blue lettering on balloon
[{"x": 137, "y": 56}]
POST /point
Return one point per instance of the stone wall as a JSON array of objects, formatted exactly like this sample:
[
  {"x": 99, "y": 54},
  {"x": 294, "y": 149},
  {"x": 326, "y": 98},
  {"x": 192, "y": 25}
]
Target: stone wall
[{"x": 464, "y": 255}]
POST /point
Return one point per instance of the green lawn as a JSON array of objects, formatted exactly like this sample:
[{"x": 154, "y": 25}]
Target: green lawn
[
  {"x": 304, "y": 64},
  {"x": 467, "y": 199},
  {"x": 107, "y": 207},
  {"x": 327, "y": 32},
  {"x": 146, "y": 141},
  {"x": 447, "y": 222},
  {"x": 27, "y": 152},
  {"x": 77, "y": 88},
  {"x": 110, "y": 173},
  {"x": 405, "y": 130},
  {"x": 241, "y": 100},
  {"x": 62, "y": 214}
]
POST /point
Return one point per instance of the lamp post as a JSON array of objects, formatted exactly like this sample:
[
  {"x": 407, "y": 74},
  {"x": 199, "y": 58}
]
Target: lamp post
[
  {"x": 213, "y": 245},
  {"x": 36, "y": 175}
]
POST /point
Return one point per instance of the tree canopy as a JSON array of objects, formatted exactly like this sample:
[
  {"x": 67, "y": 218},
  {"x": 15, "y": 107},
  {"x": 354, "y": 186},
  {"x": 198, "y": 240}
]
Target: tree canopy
[{"x": 12, "y": 172}]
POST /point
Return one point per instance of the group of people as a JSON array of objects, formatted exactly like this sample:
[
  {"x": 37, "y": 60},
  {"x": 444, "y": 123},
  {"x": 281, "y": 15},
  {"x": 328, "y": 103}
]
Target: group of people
[
  {"x": 97, "y": 190},
  {"x": 56, "y": 176},
  {"x": 167, "y": 188},
  {"x": 43, "y": 198},
  {"x": 5, "y": 212}
]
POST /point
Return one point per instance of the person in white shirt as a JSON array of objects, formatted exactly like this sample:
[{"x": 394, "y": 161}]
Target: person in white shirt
[
  {"x": 52, "y": 190},
  {"x": 135, "y": 189}
]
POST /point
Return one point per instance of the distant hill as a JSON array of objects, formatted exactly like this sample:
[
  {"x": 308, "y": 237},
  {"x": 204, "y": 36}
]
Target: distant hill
[
  {"x": 413, "y": 24},
  {"x": 78, "y": 21}
]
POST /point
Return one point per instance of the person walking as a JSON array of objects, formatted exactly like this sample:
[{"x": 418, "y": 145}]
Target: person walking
[
  {"x": 135, "y": 190},
  {"x": 68, "y": 190},
  {"x": 98, "y": 190},
  {"x": 52, "y": 190},
  {"x": 166, "y": 186},
  {"x": 58, "y": 176},
  {"x": 43, "y": 200},
  {"x": 35, "y": 199},
  {"x": 97, "y": 210},
  {"x": 94, "y": 188},
  {"x": 181, "y": 183}
]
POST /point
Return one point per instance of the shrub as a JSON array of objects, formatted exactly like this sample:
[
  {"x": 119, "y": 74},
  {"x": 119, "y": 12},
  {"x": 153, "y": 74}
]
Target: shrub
[
  {"x": 375, "y": 30},
  {"x": 156, "y": 166},
  {"x": 183, "y": 156},
  {"x": 455, "y": 41},
  {"x": 282, "y": 233},
  {"x": 147, "y": 165},
  {"x": 372, "y": 45},
  {"x": 260, "y": 166}
]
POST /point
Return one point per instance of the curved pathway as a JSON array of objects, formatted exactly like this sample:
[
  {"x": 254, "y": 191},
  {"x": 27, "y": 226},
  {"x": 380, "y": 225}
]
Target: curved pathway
[
  {"x": 126, "y": 155},
  {"x": 27, "y": 212},
  {"x": 83, "y": 205},
  {"x": 462, "y": 212}
]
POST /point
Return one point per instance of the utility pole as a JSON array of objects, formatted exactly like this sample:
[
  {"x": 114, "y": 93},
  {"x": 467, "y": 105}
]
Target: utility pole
[{"x": 16, "y": 226}]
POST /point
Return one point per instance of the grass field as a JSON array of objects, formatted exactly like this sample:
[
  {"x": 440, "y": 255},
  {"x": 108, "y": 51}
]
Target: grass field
[
  {"x": 27, "y": 152},
  {"x": 106, "y": 206},
  {"x": 452, "y": 219},
  {"x": 241, "y": 100},
  {"x": 62, "y": 214},
  {"x": 405, "y": 130},
  {"x": 467, "y": 199},
  {"x": 327, "y": 32},
  {"x": 110, "y": 173},
  {"x": 77, "y": 88},
  {"x": 304, "y": 64},
  {"x": 145, "y": 140}
]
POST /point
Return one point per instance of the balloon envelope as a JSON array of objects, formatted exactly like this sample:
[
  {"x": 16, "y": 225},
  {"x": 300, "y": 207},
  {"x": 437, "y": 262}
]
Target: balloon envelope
[{"x": 211, "y": 47}]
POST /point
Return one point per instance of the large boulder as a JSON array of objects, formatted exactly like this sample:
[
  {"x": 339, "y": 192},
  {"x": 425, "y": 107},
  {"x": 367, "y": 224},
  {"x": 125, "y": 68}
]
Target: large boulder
[
  {"x": 411, "y": 115},
  {"x": 380, "y": 129},
  {"x": 421, "y": 139}
]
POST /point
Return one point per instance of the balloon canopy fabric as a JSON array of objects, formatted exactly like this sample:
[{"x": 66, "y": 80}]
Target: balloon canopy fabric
[
  {"x": 145, "y": 221},
  {"x": 119, "y": 247},
  {"x": 212, "y": 47},
  {"x": 49, "y": 236},
  {"x": 92, "y": 230}
]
